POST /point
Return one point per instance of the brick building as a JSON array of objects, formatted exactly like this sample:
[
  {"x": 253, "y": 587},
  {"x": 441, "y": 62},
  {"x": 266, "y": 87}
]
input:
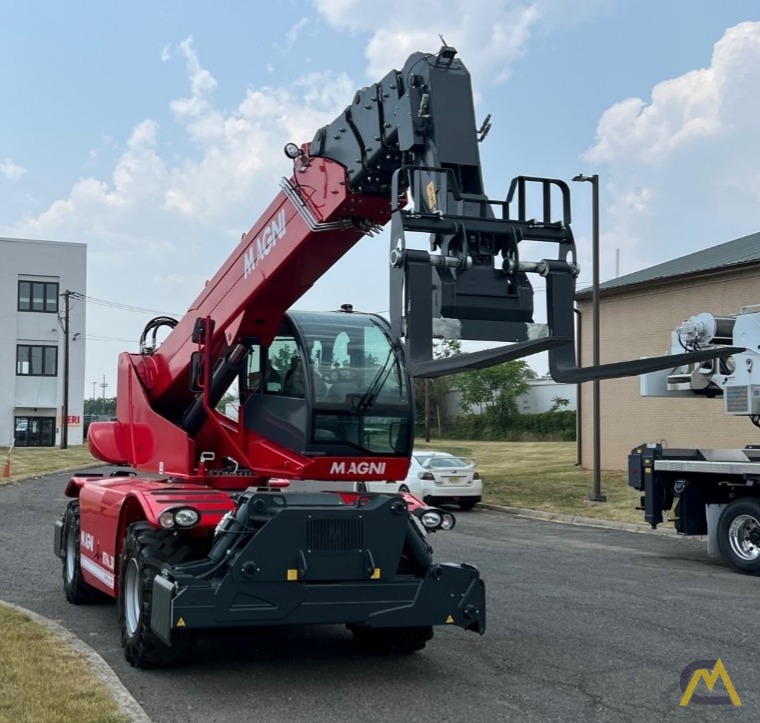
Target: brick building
[{"x": 637, "y": 314}]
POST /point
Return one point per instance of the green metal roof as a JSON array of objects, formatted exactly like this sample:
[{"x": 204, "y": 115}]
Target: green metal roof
[{"x": 738, "y": 252}]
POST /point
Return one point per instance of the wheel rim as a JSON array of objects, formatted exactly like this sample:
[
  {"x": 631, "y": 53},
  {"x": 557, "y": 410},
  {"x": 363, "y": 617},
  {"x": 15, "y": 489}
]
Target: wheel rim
[
  {"x": 739, "y": 533},
  {"x": 71, "y": 551},
  {"x": 132, "y": 596}
]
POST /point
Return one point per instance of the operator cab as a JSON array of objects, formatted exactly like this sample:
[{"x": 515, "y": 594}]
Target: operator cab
[{"x": 330, "y": 384}]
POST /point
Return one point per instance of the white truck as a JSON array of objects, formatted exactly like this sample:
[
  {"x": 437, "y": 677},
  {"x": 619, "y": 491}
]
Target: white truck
[{"x": 713, "y": 492}]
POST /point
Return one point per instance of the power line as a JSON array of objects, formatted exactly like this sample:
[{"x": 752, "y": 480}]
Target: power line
[
  {"x": 95, "y": 337},
  {"x": 117, "y": 305}
]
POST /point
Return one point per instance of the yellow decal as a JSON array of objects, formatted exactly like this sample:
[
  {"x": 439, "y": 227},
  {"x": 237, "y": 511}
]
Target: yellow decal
[
  {"x": 431, "y": 196},
  {"x": 375, "y": 574},
  {"x": 710, "y": 678},
  {"x": 181, "y": 623},
  {"x": 292, "y": 574},
  {"x": 449, "y": 620}
]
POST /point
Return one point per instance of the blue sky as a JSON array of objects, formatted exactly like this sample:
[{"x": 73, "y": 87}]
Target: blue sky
[{"x": 152, "y": 131}]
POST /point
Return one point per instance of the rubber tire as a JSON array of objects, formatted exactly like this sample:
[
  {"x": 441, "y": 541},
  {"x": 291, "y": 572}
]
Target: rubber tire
[
  {"x": 150, "y": 548},
  {"x": 78, "y": 592},
  {"x": 745, "y": 506},
  {"x": 403, "y": 488},
  {"x": 391, "y": 641},
  {"x": 467, "y": 503},
  {"x": 361, "y": 487}
]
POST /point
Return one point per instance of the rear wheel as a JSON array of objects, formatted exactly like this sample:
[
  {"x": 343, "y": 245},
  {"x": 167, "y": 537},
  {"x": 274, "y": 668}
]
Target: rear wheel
[
  {"x": 467, "y": 503},
  {"x": 739, "y": 535},
  {"x": 144, "y": 551},
  {"x": 391, "y": 641},
  {"x": 76, "y": 589}
]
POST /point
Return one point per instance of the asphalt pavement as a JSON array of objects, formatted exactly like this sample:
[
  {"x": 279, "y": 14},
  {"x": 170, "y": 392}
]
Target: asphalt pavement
[{"x": 583, "y": 625}]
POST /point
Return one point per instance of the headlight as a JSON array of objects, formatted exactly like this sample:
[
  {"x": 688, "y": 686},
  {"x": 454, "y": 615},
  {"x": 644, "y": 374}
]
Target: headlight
[
  {"x": 186, "y": 517},
  {"x": 432, "y": 519},
  {"x": 448, "y": 521},
  {"x": 179, "y": 517}
]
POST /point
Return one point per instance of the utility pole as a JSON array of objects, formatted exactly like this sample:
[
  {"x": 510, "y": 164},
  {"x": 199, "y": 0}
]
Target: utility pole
[
  {"x": 65, "y": 410},
  {"x": 103, "y": 386},
  {"x": 427, "y": 409},
  {"x": 94, "y": 384}
]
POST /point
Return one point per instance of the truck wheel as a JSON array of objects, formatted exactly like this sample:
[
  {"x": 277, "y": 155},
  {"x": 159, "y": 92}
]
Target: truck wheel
[
  {"x": 76, "y": 589},
  {"x": 144, "y": 551},
  {"x": 739, "y": 535},
  {"x": 391, "y": 641}
]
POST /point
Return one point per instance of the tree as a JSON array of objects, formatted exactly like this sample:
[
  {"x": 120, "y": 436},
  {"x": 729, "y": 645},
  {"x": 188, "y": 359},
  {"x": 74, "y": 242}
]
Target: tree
[
  {"x": 100, "y": 407},
  {"x": 558, "y": 403},
  {"x": 437, "y": 390},
  {"x": 495, "y": 389}
]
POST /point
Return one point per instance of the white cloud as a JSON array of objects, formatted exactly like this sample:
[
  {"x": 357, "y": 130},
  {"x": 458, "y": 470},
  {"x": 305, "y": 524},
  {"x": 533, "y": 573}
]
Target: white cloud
[
  {"x": 682, "y": 167},
  {"x": 489, "y": 48},
  {"x": 158, "y": 226},
  {"x": 292, "y": 35},
  {"x": 12, "y": 171}
]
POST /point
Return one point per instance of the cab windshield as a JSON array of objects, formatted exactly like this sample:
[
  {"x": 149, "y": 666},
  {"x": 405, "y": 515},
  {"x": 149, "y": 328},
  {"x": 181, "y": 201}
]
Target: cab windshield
[{"x": 361, "y": 395}]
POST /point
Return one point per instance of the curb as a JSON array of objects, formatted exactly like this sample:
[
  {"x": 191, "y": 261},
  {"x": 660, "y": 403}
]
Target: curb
[
  {"x": 40, "y": 475},
  {"x": 125, "y": 701},
  {"x": 578, "y": 520}
]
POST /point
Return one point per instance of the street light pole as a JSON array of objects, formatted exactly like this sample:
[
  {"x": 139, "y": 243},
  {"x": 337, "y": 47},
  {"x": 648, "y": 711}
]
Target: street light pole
[
  {"x": 596, "y": 495},
  {"x": 65, "y": 407}
]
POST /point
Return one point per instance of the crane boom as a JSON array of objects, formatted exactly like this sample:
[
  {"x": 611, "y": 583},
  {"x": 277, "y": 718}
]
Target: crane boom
[{"x": 405, "y": 151}]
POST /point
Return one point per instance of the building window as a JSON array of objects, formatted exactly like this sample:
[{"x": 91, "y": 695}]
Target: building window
[
  {"x": 36, "y": 361},
  {"x": 34, "y": 432},
  {"x": 38, "y": 296}
]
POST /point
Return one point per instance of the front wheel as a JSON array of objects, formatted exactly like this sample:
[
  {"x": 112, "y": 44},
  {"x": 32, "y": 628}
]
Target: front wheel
[
  {"x": 391, "y": 641},
  {"x": 144, "y": 551},
  {"x": 739, "y": 535},
  {"x": 76, "y": 589}
]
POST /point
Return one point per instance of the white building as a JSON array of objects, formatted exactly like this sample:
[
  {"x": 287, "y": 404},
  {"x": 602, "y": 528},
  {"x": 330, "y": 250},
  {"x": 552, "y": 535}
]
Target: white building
[
  {"x": 539, "y": 398},
  {"x": 542, "y": 393},
  {"x": 33, "y": 277}
]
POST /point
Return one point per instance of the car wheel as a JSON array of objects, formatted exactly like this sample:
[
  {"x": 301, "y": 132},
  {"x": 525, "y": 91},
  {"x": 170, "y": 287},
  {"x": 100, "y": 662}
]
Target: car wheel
[
  {"x": 76, "y": 589},
  {"x": 739, "y": 536},
  {"x": 403, "y": 488},
  {"x": 361, "y": 487},
  {"x": 467, "y": 503},
  {"x": 144, "y": 551},
  {"x": 391, "y": 641}
]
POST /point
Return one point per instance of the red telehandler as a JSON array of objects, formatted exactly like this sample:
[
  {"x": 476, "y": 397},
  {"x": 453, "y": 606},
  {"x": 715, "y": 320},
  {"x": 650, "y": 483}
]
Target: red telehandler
[{"x": 205, "y": 536}]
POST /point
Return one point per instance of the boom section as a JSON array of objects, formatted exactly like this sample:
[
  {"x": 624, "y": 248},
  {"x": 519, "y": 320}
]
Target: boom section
[{"x": 301, "y": 235}]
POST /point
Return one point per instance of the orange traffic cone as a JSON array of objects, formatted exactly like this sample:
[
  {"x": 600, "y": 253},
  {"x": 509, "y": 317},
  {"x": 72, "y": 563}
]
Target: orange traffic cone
[{"x": 7, "y": 468}]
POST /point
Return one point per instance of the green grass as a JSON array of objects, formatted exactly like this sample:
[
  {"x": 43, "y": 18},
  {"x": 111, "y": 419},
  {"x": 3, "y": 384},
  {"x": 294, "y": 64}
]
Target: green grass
[
  {"x": 543, "y": 476},
  {"x": 43, "y": 679},
  {"x": 32, "y": 461}
]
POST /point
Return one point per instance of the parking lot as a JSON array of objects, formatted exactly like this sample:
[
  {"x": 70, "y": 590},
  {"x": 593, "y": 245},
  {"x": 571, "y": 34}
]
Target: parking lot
[{"x": 583, "y": 624}]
